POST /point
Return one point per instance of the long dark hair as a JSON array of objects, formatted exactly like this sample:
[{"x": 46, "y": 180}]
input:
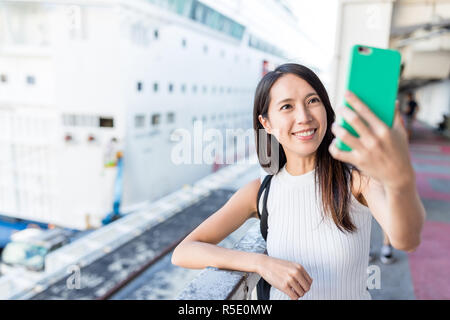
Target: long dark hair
[{"x": 333, "y": 176}]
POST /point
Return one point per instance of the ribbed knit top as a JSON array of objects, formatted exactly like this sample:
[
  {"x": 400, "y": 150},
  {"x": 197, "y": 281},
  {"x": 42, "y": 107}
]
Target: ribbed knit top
[{"x": 336, "y": 261}]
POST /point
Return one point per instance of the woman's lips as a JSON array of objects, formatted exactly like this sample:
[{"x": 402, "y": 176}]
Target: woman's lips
[{"x": 305, "y": 135}]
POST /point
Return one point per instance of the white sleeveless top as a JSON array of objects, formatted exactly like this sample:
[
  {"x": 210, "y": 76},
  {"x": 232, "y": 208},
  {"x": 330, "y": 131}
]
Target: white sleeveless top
[{"x": 336, "y": 261}]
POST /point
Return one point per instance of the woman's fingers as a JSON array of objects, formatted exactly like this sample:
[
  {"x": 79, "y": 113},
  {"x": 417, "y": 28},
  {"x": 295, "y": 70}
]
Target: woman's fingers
[
  {"x": 346, "y": 137},
  {"x": 308, "y": 278},
  {"x": 299, "y": 282},
  {"x": 304, "y": 281},
  {"x": 374, "y": 122},
  {"x": 353, "y": 119},
  {"x": 344, "y": 156},
  {"x": 298, "y": 290}
]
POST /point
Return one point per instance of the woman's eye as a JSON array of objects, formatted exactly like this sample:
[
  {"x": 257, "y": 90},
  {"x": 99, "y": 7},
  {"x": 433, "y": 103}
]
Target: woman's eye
[
  {"x": 314, "y": 100},
  {"x": 286, "y": 105}
]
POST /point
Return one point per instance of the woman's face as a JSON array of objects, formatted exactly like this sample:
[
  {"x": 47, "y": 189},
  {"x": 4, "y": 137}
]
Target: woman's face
[{"x": 296, "y": 116}]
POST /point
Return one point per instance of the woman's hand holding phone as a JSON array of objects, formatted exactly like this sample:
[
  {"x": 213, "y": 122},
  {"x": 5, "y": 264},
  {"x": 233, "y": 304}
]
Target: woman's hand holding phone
[{"x": 380, "y": 152}]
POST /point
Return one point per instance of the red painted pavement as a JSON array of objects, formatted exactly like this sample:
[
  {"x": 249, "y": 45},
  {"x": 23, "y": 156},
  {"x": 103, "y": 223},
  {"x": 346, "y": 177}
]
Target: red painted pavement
[{"x": 430, "y": 263}]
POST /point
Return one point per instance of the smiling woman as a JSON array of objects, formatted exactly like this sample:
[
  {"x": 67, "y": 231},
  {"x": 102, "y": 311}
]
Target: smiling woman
[
  {"x": 320, "y": 206},
  {"x": 303, "y": 106}
]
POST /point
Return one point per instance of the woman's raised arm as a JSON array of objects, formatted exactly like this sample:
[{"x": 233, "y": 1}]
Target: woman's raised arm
[{"x": 381, "y": 153}]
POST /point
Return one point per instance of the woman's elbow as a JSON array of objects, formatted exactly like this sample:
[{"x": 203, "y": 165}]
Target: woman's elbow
[
  {"x": 407, "y": 246},
  {"x": 176, "y": 256}
]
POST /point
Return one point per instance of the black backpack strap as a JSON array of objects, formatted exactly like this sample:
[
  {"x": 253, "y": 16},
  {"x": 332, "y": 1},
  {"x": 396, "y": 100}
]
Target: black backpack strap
[
  {"x": 263, "y": 287},
  {"x": 263, "y": 215}
]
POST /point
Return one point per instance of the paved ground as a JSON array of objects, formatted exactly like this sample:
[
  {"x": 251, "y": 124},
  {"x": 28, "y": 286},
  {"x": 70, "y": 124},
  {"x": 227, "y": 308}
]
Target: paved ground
[{"x": 423, "y": 274}]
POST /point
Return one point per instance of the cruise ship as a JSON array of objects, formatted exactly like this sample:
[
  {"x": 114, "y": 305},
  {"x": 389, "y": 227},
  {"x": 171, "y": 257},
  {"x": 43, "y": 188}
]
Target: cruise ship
[{"x": 96, "y": 97}]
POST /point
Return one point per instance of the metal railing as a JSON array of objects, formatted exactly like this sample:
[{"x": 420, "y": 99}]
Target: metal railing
[{"x": 217, "y": 284}]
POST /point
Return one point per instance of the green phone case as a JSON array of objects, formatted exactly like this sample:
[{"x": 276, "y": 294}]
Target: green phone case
[{"x": 373, "y": 77}]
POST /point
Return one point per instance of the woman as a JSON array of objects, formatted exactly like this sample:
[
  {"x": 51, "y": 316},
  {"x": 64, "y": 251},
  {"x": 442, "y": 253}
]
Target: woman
[{"x": 319, "y": 223}]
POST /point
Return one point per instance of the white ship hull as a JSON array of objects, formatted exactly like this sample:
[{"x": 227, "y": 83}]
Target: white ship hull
[{"x": 128, "y": 70}]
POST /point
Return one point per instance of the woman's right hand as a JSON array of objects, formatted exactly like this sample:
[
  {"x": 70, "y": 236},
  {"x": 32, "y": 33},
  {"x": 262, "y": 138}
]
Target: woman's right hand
[{"x": 288, "y": 277}]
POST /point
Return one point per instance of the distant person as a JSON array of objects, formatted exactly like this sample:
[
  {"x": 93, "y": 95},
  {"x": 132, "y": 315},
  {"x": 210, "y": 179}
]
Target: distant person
[
  {"x": 386, "y": 252},
  {"x": 321, "y": 200},
  {"x": 442, "y": 126},
  {"x": 411, "y": 112}
]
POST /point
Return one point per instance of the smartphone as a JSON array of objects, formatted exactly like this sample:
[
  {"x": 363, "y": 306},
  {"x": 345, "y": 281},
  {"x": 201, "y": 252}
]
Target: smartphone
[{"x": 373, "y": 77}]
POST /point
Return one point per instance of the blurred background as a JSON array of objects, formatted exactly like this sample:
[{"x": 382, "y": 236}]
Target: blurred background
[{"x": 114, "y": 130}]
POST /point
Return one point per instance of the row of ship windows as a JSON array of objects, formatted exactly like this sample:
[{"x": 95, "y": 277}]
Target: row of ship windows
[
  {"x": 77, "y": 120},
  {"x": 203, "y": 14},
  {"x": 194, "y": 89},
  {"x": 155, "y": 119},
  {"x": 184, "y": 44},
  {"x": 214, "y": 20},
  {"x": 140, "y": 120},
  {"x": 30, "y": 80},
  {"x": 253, "y": 42}
]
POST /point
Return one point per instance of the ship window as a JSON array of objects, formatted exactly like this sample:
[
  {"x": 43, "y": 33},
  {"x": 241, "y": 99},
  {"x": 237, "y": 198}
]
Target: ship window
[
  {"x": 212, "y": 19},
  {"x": 199, "y": 12},
  {"x": 170, "y": 117},
  {"x": 183, "y": 43},
  {"x": 205, "y": 49},
  {"x": 170, "y": 87},
  {"x": 205, "y": 89},
  {"x": 155, "y": 87},
  {"x": 156, "y": 119},
  {"x": 156, "y": 33},
  {"x": 139, "y": 86},
  {"x": 31, "y": 80},
  {"x": 194, "y": 88},
  {"x": 139, "y": 121},
  {"x": 106, "y": 122},
  {"x": 3, "y": 78},
  {"x": 183, "y": 88}
]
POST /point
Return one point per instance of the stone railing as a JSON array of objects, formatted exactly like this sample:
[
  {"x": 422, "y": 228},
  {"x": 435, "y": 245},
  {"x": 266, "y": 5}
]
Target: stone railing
[{"x": 218, "y": 284}]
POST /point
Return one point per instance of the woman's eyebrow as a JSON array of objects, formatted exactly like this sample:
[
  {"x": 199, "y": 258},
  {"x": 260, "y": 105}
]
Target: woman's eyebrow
[
  {"x": 285, "y": 100},
  {"x": 310, "y": 94},
  {"x": 290, "y": 99}
]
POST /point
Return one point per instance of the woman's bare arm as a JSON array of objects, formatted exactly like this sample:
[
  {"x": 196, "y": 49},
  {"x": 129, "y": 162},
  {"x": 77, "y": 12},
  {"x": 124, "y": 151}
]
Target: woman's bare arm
[
  {"x": 399, "y": 211},
  {"x": 381, "y": 154},
  {"x": 199, "y": 249}
]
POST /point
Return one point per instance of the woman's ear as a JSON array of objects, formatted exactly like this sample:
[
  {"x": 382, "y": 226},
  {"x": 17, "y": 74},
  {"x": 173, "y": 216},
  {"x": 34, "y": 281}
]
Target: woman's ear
[{"x": 265, "y": 123}]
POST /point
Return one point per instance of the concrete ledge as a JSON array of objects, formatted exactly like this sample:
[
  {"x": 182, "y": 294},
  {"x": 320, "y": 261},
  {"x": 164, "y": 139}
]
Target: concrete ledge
[{"x": 217, "y": 284}]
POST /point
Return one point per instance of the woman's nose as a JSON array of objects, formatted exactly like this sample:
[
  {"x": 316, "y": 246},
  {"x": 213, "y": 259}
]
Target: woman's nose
[{"x": 302, "y": 115}]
